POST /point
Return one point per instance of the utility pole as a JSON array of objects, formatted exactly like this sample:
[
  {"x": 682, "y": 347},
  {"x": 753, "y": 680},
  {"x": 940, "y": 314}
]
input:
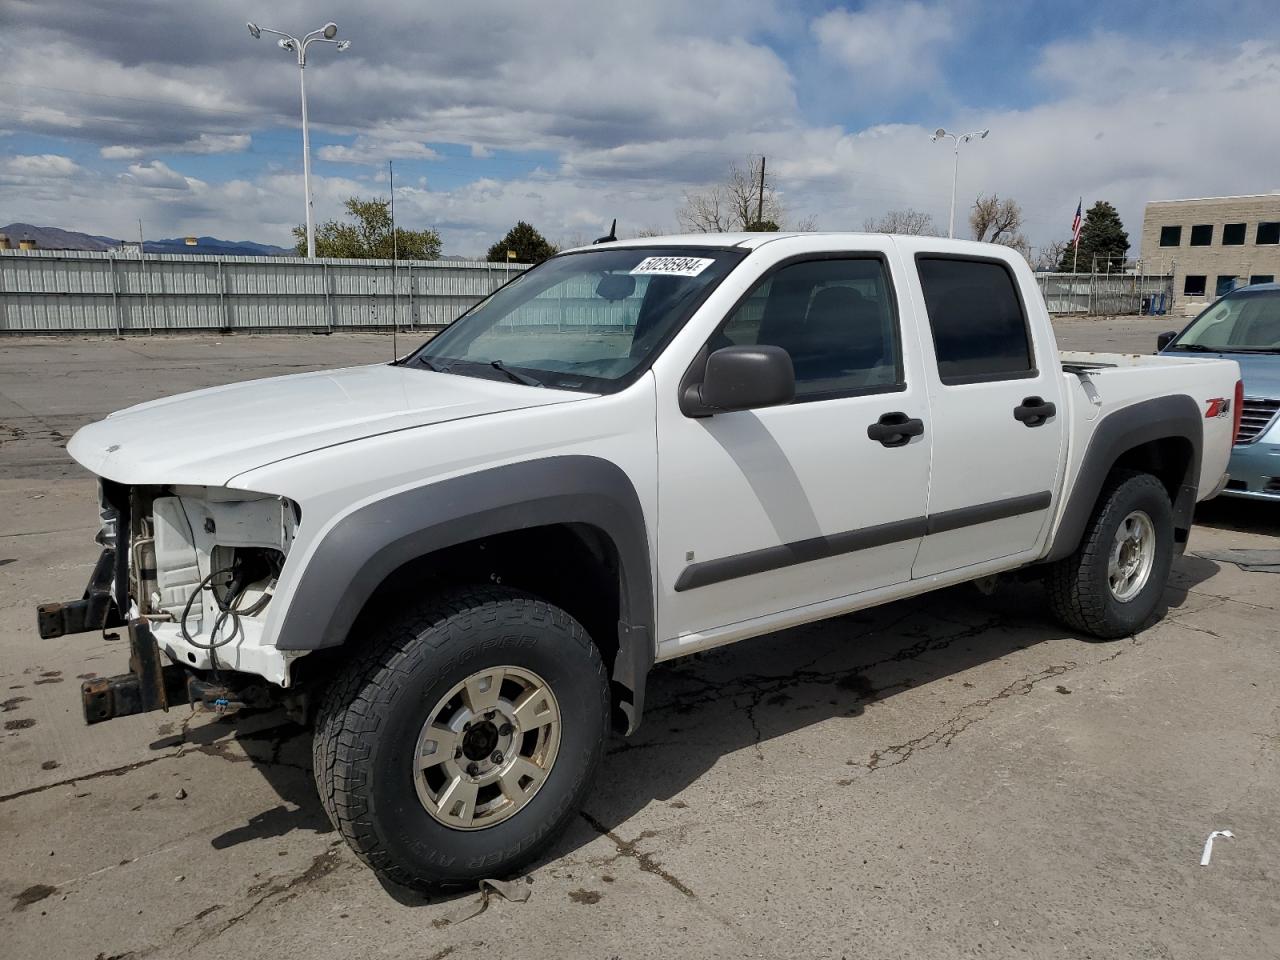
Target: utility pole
[{"x": 760, "y": 202}]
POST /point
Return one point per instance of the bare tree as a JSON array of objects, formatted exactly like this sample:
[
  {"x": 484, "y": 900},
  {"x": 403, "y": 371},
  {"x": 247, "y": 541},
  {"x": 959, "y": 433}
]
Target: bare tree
[
  {"x": 908, "y": 221},
  {"x": 1049, "y": 256},
  {"x": 993, "y": 219},
  {"x": 735, "y": 204},
  {"x": 999, "y": 221}
]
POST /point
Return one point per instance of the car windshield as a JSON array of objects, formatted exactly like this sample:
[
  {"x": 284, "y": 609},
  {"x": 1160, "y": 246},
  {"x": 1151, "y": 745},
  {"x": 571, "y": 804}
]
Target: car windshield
[
  {"x": 587, "y": 321},
  {"x": 1244, "y": 322}
]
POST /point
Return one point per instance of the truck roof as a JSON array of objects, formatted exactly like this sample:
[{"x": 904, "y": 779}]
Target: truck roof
[{"x": 751, "y": 241}]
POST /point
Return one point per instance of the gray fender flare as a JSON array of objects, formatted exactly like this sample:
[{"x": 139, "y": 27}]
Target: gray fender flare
[
  {"x": 1116, "y": 434},
  {"x": 369, "y": 544}
]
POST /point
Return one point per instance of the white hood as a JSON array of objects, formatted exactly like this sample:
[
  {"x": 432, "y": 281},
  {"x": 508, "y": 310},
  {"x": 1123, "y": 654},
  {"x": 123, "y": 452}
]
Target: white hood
[{"x": 209, "y": 436}]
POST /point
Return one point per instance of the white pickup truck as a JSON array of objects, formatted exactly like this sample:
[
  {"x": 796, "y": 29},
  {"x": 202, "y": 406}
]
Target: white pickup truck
[{"x": 462, "y": 565}]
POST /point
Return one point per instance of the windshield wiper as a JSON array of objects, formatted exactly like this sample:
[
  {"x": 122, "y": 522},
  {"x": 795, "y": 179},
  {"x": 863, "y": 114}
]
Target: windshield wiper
[
  {"x": 431, "y": 366},
  {"x": 514, "y": 375},
  {"x": 1197, "y": 347}
]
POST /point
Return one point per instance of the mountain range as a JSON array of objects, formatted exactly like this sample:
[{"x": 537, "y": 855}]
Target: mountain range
[{"x": 55, "y": 238}]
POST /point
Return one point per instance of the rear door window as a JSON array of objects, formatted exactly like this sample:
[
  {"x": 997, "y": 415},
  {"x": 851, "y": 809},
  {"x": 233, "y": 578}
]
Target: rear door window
[{"x": 978, "y": 322}]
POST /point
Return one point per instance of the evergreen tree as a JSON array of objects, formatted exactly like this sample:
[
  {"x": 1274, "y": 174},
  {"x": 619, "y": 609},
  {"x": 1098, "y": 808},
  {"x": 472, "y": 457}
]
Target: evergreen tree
[
  {"x": 528, "y": 244},
  {"x": 1101, "y": 235}
]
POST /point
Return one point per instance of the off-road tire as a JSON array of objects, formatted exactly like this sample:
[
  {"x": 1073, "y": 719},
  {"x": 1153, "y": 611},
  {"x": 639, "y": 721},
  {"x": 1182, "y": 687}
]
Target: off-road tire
[
  {"x": 1078, "y": 586},
  {"x": 369, "y": 719}
]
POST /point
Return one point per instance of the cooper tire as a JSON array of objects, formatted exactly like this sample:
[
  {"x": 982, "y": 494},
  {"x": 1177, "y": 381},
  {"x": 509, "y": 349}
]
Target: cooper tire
[
  {"x": 372, "y": 718},
  {"x": 1084, "y": 589}
]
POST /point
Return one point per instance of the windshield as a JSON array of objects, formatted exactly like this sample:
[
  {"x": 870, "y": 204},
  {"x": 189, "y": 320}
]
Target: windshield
[
  {"x": 1239, "y": 323},
  {"x": 586, "y": 321}
]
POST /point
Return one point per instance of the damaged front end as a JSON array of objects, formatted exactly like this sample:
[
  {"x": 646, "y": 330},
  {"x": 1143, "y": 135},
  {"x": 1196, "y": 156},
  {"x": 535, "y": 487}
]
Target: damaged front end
[{"x": 190, "y": 573}]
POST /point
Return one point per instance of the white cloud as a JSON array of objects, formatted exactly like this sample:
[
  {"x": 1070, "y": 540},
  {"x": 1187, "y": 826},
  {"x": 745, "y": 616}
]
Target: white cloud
[
  {"x": 41, "y": 165},
  {"x": 632, "y": 105},
  {"x": 120, "y": 152},
  {"x": 206, "y": 143},
  {"x": 215, "y": 143},
  {"x": 154, "y": 173},
  {"x": 887, "y": 46},
  {"x": 373, "y": 151}
]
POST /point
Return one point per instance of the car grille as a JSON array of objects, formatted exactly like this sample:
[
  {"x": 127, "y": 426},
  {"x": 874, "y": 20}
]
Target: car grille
[{"x": 1255, "y": 417}]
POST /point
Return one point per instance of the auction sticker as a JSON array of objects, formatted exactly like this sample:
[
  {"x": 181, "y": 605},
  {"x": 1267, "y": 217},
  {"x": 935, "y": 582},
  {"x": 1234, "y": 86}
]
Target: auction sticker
[{"x": 673, "y": 266}]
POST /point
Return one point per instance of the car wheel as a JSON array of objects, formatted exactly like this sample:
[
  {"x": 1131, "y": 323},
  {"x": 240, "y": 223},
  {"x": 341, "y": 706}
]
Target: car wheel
[
  {"x": 460, "y": 741},
  {"x": 1110, "y": 587}
]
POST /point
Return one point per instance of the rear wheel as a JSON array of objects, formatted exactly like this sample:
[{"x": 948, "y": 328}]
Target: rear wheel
[
  {"x": 460, "y": 742},
  {"x": 1110, "y": 587}
]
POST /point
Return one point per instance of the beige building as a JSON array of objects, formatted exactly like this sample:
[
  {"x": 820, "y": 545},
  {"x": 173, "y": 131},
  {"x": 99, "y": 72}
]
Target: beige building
[{"x": 1212, "y": 245}]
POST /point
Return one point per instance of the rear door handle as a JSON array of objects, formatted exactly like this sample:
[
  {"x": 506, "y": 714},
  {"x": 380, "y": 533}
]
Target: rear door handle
[
  {"x": 1034, "y": 412},
  {"x": 895, "y": 429}
]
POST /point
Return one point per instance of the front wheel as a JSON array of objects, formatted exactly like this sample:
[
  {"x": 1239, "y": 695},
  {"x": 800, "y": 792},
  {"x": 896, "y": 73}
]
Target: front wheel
[
  {"x": 1110, "y": 587},
  {"x": 460, "y": 742}
]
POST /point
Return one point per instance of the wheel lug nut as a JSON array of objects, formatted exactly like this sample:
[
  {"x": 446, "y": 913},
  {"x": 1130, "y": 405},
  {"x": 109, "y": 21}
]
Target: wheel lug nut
[
  {"x": 505, "y": 730},
  {"x": 497, "y": 756},
  {"x": 473, "y": 769}
]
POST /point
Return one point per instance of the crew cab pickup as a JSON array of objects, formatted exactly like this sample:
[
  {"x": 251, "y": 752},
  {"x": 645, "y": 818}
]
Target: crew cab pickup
[{"x": 461, "y": 566}]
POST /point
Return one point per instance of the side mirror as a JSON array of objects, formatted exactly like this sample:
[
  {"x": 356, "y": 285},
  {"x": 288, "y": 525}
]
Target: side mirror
[
  {"x": 741, "y": 378},
  {"x": 1164, "y": 339}
]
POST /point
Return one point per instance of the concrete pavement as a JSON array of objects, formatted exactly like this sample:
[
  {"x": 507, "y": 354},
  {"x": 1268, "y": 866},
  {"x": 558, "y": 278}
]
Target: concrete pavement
[{"x": 952, "y": 776}]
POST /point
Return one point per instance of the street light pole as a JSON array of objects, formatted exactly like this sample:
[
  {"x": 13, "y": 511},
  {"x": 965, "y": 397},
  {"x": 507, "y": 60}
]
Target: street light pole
[
  {"x": 325, "y": 34},
  {"x": 957, "y": 139},
  {"x": 306, "y": 161}
]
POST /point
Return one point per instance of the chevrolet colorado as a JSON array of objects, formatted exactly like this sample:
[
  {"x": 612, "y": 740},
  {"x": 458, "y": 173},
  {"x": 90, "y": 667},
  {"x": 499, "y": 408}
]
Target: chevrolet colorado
[{"x": 462, "y": 565}]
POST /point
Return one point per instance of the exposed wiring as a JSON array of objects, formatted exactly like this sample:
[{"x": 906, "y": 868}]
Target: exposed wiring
[{"x": 228, "y": 609}]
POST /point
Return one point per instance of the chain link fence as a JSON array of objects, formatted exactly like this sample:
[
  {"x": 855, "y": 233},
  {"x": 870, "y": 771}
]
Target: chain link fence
[{"x": 1109, "y": 294}]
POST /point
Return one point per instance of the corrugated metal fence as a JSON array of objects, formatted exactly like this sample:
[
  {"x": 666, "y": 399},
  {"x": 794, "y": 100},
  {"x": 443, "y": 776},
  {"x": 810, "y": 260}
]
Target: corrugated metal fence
[
  {"x": 1106, "y": 293},
  {"x": 45, "y": 291}
]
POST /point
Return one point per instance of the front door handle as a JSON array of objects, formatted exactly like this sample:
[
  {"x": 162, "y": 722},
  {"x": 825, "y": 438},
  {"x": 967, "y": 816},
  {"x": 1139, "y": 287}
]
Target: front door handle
[
  {"x": 895, "y": 429},
  {"x": 1034, "y": 412}
]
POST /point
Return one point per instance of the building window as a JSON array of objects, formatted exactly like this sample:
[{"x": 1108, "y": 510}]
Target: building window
[
  {"x": 1262, "y": 278},
  {"x": 1172, "y": 236},
  {"x": 1193, "y": 285},
  {"x": 1202, "y": 235},
  {"x": 1269, "y": 233},
  {"x": 1226, "y": 283},
  {"x": 1232, "y": 234}
]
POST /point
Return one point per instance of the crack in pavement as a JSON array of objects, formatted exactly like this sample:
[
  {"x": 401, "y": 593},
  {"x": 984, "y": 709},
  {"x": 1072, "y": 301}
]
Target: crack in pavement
[
  {"x": 628, "y": 848},
  {"x": 184, "y": 747},
  {"x": 945, "y": 734}
]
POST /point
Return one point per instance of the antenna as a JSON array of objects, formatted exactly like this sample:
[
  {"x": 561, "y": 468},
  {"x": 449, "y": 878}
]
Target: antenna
[
  {"x": 395, "y": 257},
  {"x": 613, "y": 234}
]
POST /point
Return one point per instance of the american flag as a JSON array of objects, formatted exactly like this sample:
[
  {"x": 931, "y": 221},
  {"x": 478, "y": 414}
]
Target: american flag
[{"x": 1075, "y": 225}]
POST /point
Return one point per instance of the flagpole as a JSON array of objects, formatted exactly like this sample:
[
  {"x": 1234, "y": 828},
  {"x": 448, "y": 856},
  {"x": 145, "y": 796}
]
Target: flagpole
[{"x": 1075, "y": 244}]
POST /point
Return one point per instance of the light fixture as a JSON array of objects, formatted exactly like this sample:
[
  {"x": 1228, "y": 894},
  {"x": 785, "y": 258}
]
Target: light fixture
[
  {"x": 286, "y": 41},
  {"x": 956, "y": 139}
]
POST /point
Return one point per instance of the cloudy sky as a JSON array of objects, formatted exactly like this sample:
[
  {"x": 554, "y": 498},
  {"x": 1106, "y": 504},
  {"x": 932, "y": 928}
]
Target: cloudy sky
[{"x": 568, "y": 113}]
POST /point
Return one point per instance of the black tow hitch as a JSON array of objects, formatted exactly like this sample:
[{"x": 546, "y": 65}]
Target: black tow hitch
[
  {"x": 149, "y": 684},
  {"x": 94, "y": 611}
]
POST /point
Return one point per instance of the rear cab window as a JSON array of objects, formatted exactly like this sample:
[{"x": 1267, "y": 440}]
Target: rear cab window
[{"x": 978, "y": 322}]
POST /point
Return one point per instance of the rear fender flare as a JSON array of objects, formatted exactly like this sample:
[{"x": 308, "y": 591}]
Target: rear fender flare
[{"x": 1115, "y": 435}]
